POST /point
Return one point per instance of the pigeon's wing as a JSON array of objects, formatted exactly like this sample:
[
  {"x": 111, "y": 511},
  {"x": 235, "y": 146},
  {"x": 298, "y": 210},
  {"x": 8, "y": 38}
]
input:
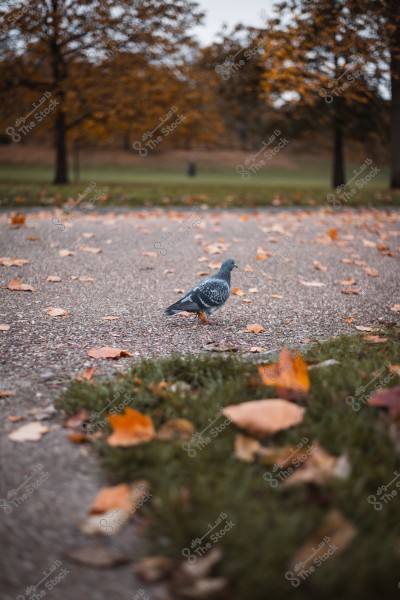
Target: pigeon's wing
[{"x": 209, "y": 293}]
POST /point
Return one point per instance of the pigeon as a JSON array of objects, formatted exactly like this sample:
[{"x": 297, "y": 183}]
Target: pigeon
[{"x": 208, "y": 295}]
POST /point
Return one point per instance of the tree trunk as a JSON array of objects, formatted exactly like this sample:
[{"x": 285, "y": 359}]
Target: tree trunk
[
  {"x": 338, "y": 177},
  {"x": 76, "y": 162},
  {"x": 61, "y": 175},
  {"x": 395, "y": 104}
]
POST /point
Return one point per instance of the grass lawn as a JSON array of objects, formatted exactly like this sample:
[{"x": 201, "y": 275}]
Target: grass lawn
[
  {"x": 308, "y": 184},
  {"x": 270, "y": 523}
]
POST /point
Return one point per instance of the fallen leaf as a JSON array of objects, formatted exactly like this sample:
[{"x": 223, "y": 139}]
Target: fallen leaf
[
  {"x": 349, "y": 320},
  {"x": 237, "y": 292},
  {"x": 130, "y": 428},
  {"x": 312, "y": 283},
  {"x": 332, "y": 536},
  {"x": 151, "y": 254},
  {"x": 96, "y": 556},
  {"x": 178, "y": 291},
  {"x": 31, "y": 432},
  {"x": 175, "y": 429},
  {"x": 88, "y": 236},
  {"x": 5, "y": 261},
  {"x": 111, "y": 497},
  {"x": 90, "y": 249},
  {"x": 108, "y": 352},
  {"x": 319, "y": 267},
  {"x": 253, "y": 290},
  {"x": 348, "y": 282},
  {"x": 395, "y": 369},
  {"x": 247, "y": 301},
  {"x": 110, "y": 318},
  {"x": 17, "y": 219},
  {"x": 371, "y": 272},
  {"x": 349, "y": 292},
  {"x": 87, "y": 374},
  {"x": 254, "y": 328},
  {"x": 318, "y": 467},
  {"x": 387, "y": 398},
  {"x": 201, "y": 589},
  {"x": 246, "y": 447},
  {"x": 15, "y": 418},
  {"x": 4, "y": 327},
  {"x": 265, "y": 417},
  {"x": 203, "y": 273},
  {"x": 6, "y": 393},
  {"x": 277, "y": 296},
  {"x": 66, "y": 253},
  {"x": 86, "y": 279},
  {"x": 153, "y": 568},
  {"x": 333, "y": 234},
  {"x": 368, "y": 243},
  {"x": 222, "y": 346},
  {"x": 364, "y": 328},
  {"x": 375, "y": 339},
  {"x": 53, "y": 279},
  {"x": 32, "y": 238},
  {"x": 77, "y": 437},
  {"x": 395, "y": 308},
  {"x": 257, "y": 349},
  {"x": 330, "y": 362},
  {"x": 77, "y": 420},
  {"x": 16, "y": 285},
  {"x": 56, "y": 312},
  {"x": 289, "y": 375}
]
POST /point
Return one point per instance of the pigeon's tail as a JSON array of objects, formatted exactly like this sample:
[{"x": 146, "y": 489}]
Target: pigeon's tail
[
  {"x": 170, "y": 312},
  {"x": 182, "y": 304}
]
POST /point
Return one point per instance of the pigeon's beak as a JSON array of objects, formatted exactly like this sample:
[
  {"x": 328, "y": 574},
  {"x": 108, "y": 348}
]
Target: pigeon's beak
[{"x": 235, "y": 265}]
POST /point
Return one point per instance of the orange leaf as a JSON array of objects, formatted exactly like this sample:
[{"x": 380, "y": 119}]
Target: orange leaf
[
  {"x": 56, "y": 312},
  {"x": 255, "y": 328},
  {"x": 53, "y": 279},
  {"x": 265, "y": 417},
  {"x": 17, "y": 219},
  {"x": 108, "y": 352},
  {"x": 375, "y": 339},
  {"x": 288, "y": 374},
  {"x": 237, "y": 292},
  {"x": 130, "y": 428},
  {"x": 333, "y": 234},
  {"x": 110, "y": 498},
  {"x": 348, "y": 281},
  {"x": 348, "y": 320},
  {"x": 87, "y": 374},
  {"x": 17, "y": 286}
]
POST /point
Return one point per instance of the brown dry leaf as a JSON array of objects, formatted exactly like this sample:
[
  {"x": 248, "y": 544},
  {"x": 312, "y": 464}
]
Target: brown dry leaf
[
  {"x": 151, "y": 254},
  {"x": 56, "y": 312},
  {"x": 96, "y": 556},
  {"x": 333, "y": 234},
  {"x": 17, "y": 219},
  {"x": 77, "y": 437},
  {"x": 277, "y": 296},
  {"x": 77, "y": 420},
  {"x": 16, "y": 285},
  {"x": 178, "y": 291},
  {"x": 312, "y": 283},
  {"x": 347, "y": 261},
  {"x": 86, "y": 279},
  {"x": 265, "y": 417},
  {"x": 332, "y": 536},
  {"x": 395, "y": 308},
  {"x": 203, "y": 273},
  {"x": 387, "y": 398},
  {"x": 153, "y": 568},
  {"x": 350, "y": 292},
  {"x": 246, "y": 447},
  {"x": 363, "y": 328},
  {"x": 111, "y": 497},
  {"x": 64, "y": 253},
  {"x": 88, "y": 236},
  {"x": 221, "y": 346},
  {"x": 375, "y": 339},
  {"x": 348, "y": 320},
  {"x": 348, "y": 281},
  {"x": 53, "y": 279},
  {"x": 5, "y": 261},
  {"x": 257, "y": 349},
  {"x": 6, "y": 393},
  {"x": 289, "y": 375},
  {"x": 237, "y": 292},
  {"x": 395, "y": 369},
  {"x": 319, "y": 467},
  {"x": 319, "y": 267},
  {"x": 253, "y": 290},
  {"x": 87, "y": 374},
  {"x": 170, "y": 271},
  {"x": 247, "y": 301},
  {"x": 254, "y": 328},
  {"x": 368, "y": 243},
  {"x": 90, "y": 249},
  {"x": 15, "y": 418},
  {"x": 31, "y": 432},
  {"x": 110, "y": 318},
  {"x": 4, "y": 327},
  {"x": 175, "y": 429},
  {"x": 130, "y": 428},
  {"x": 32, "y": 238},
  {"x": 371, "y": 272},
  {"x": 217, "y": 248},
  {"x": 108, "y": 352}
]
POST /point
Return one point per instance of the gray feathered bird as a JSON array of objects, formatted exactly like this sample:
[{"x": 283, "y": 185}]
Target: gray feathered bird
[{"x": 208, "y": 295}]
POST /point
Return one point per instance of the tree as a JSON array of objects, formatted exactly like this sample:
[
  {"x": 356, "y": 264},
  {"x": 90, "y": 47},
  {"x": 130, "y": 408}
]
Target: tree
[
  {"x": 56, "y": 45},
  {"x": 319, "y": 63}
]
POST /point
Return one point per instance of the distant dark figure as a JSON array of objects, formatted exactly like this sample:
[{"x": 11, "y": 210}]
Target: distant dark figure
[{"x": 191, "y": 168}]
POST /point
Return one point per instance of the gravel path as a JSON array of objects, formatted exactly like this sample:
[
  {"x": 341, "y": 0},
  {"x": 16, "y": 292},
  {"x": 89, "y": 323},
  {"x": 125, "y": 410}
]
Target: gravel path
[{"x": 297, "y": 298}]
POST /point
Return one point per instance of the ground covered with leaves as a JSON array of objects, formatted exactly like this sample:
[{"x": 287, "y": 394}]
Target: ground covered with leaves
[{"x": 259, "y": 509}]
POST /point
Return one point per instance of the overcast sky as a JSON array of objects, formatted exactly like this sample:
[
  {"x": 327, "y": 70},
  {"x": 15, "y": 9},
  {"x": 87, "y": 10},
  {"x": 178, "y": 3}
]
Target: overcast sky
[{"x": 218, "y": 12}]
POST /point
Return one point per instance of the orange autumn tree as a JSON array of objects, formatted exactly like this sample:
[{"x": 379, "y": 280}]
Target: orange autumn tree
[
  {"x": 53, "y": 46},
  {"x": 319, "y": 66}
]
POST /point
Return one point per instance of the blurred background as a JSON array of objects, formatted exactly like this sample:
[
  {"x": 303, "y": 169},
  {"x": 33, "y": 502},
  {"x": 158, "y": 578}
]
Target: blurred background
[{"x": 253, "y": 103}]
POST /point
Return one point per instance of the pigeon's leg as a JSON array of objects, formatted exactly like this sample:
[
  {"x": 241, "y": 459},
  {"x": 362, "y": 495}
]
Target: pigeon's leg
[{"x": 202, "y": 317}]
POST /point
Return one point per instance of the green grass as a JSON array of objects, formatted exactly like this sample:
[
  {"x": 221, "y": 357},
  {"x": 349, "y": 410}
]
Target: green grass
[
  {"x": 270, "y": 523},
  {"x": 307, "y": 185}
]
